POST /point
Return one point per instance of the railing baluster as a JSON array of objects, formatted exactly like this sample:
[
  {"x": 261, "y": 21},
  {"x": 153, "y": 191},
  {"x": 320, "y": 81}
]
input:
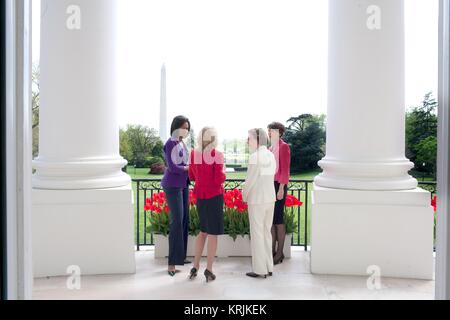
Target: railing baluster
[
  {"x": 138, "y": 212},
  {"x": 299, "y": 220},
  {"x": 145, "y": 218},
  {"x": 306, "y": 215},
  {"x": 151, "y": 233}
]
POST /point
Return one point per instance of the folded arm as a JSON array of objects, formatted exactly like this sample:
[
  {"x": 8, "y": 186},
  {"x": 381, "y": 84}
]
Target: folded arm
[{"x": 173, "y": 159}]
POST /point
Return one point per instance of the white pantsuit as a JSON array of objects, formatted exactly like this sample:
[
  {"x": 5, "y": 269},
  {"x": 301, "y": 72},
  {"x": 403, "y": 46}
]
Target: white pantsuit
[
  {"x": 261, "y": 221},
  {"x": 259, "y": 193}
]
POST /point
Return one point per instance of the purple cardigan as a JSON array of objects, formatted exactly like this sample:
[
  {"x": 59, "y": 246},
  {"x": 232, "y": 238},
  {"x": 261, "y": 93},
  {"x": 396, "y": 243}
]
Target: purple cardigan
[{"x": 177, "y": 157}]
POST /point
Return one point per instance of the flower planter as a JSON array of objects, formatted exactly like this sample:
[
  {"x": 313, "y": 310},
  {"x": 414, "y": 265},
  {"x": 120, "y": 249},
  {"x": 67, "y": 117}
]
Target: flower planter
[{"x": 227, "y": 247}]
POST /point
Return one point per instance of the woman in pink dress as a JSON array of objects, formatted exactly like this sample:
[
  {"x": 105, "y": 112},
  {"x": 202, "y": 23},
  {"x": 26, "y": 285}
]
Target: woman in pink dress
[{"x": 282, "y": 153}]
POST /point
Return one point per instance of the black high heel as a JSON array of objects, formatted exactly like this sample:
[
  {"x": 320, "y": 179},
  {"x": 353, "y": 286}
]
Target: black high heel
[
  {"x": 279, "y": 260},
  {"x": 255, "y": 275},
  {"x": 173, "y": 273},
  {"x": 209, "y": 276},
  {"x": 193, "y": 274}
]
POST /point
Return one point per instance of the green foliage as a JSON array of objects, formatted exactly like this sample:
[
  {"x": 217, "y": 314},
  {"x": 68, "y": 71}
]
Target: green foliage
[
  {"x": 306, "y": 136},
  {"x": 194, "y": 221},
  {"x": 158, "y": 150},
  {"x": 427, "y": 154},
  {"x": 139, "y": 143},
  {"x": 151, "y": 160},
  {"x": 289, "y": 220},
  {"x": 236, "y": 223},
  {"x": 35, "y": 102},
  {"x": 421, "y": 134},
  {"x": 125, "y": 148},
  {"x": 158, "y": 223}
]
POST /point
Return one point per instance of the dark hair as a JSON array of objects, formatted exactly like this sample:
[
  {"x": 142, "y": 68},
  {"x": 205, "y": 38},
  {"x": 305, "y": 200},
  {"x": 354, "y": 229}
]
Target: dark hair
[
  {"x": 277, "y": 126},
  {"x": 261, "y": 136},
  {"x": 178, "y": 122}
]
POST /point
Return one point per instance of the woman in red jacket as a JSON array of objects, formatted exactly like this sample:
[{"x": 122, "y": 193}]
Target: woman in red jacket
[
  {"x": 207, "y": 170},
  {"x": 282, "y": 153}
]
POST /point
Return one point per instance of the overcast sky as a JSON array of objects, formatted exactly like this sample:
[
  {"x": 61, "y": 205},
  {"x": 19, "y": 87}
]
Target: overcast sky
[{"x": 237, "y": 64}]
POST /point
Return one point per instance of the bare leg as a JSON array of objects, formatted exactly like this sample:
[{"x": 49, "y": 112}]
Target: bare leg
[
  {"x": 199, "y": 246},
  {"x": 212, "y": 248},
  {"x": 274, "y": 240},
  {"x": 281, "y": 236}
]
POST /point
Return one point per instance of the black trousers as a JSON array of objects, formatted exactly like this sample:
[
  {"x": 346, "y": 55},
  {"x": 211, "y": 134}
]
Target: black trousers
[{"x": 178, "y": 201}]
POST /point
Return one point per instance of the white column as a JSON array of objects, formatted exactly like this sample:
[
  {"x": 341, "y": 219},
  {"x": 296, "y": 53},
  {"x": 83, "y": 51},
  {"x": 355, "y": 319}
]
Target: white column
[
  {"x": 163, "y": 130},
  {"x": 17, "y": 121},
  {"x": 366, "y": 104},
  {"x": 79, "y": 132},
  {"x": 83, "y": 219},
  {"x": 368, "y": 216},
  {"x": 443, "y": 214}
]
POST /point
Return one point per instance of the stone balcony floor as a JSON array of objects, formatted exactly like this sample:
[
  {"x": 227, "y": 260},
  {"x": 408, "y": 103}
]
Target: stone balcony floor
[{"x": 292, "y": 280}]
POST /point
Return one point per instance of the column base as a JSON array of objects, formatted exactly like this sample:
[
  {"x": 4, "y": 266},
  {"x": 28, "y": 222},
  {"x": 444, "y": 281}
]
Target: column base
[
  {"x": 80, "y": 174},
  {"x": 389, "y": 175},
  {"x": 92, "y": 229},
  {"x": 353, "y": 230}
]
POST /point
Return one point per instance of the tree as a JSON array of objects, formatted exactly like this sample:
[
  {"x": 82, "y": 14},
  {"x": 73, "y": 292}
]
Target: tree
[
  {"x": 35, "y": 102},
  {"x": 421, "y": 123},
  {"x": 125, "y": 148},
  {"x": 306, "y": 136},
  {"x": 427, "y": 154},
  {"x": 141, "y": 141}
]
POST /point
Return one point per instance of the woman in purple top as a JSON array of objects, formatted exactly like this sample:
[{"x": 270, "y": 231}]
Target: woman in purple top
[{"x": 176, "y": 187}]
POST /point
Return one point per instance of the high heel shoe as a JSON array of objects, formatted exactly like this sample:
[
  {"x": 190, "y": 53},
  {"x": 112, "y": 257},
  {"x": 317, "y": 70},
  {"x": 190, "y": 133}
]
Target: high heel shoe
[
  {"x": 172, "y": 273},
  {"x": 193, "y": 273},
  {"x": 279, "y": 260},
  {"x": 255, "y": 275},
  {"x": 209, "y": 276}
]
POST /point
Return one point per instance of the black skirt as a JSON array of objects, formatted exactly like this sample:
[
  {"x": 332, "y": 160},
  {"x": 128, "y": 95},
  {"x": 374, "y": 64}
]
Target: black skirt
[
  {"x": 210, "y": 212},
  {"x": 278, "y": 214}
]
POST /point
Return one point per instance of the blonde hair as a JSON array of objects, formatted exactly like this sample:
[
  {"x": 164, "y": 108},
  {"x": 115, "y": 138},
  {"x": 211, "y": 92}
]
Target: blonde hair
[
  {"x": 260, "y": 135},
  {"x": 207, "y": 139}
]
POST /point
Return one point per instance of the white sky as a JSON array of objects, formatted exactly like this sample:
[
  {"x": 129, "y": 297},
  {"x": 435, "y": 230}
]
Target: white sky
[{"x": 237, "y": 64}]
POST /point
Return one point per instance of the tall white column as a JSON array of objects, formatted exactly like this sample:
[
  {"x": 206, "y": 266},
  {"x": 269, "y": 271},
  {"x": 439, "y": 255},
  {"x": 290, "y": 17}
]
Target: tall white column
[
  {"x": 368, "y": 216},
  {"x": 79, "y": 131},
  {"x": 83, "y": 219},
  {"x": 163, "y": 130},
  {"x": 366, "y": 105},
  {"x": 443, "y": 215}
]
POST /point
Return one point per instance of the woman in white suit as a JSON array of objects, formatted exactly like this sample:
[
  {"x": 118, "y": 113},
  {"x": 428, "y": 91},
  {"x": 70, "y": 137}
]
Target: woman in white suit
[{"x": 259, "y": 193}]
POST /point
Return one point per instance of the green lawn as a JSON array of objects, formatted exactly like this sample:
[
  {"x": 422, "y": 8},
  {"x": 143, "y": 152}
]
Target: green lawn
[{"x": 142, "y": 173}]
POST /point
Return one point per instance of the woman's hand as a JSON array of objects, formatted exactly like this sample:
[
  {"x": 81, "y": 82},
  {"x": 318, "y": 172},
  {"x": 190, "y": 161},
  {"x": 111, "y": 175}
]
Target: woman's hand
[{"x": 280, "y": 194}]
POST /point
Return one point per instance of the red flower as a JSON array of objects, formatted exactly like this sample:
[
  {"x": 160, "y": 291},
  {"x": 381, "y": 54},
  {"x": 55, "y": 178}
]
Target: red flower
[
  {"x": 434, "y": 203},
  {"x": 157, "y": 203},
  {"x": 192, "y": 198},
  {"x": 233, "y": 200},
  {"x": 292, "y": 201}
]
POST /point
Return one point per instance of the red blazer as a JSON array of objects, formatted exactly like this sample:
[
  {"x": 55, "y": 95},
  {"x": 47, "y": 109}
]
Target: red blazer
[
  {"x": 209, "y": 176},
  {"x": 282, "y": 153}
]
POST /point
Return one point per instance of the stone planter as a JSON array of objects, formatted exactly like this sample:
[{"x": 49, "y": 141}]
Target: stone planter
[{"x": 227, "y": 247}]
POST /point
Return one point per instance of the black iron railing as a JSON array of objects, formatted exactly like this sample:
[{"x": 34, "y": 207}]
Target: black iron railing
[{"x": 145, "y": 188}]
